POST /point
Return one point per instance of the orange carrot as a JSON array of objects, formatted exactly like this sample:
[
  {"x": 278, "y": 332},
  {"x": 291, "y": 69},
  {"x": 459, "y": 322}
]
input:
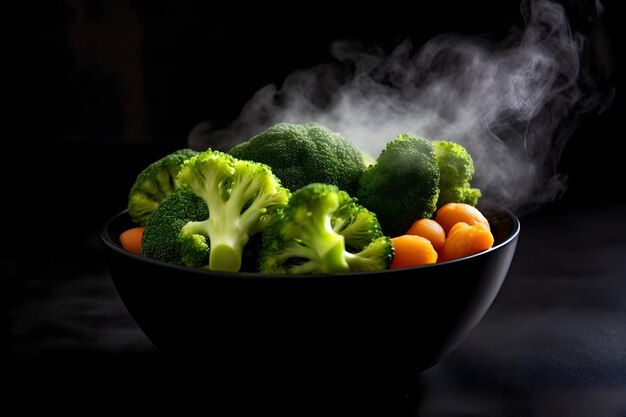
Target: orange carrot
[
  {"x": 465, "y": 240},
  {"x": 456, "y": 227},
  {"x": 451, "y": 213},
  {"x": 412, "y": 250},
  {"x": 429, "y": 229},
  {"x": 131, "y": 239}
]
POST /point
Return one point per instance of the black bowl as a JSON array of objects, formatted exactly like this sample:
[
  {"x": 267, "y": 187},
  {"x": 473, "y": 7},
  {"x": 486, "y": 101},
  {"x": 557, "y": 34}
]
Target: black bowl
[{"x": 394, "y": 323}]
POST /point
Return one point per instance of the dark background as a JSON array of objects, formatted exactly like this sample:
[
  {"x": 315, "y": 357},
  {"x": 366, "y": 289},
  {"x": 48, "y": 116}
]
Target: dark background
[
  {"x": 92, "y": 91},
  {"x": 101, "y": 74}
]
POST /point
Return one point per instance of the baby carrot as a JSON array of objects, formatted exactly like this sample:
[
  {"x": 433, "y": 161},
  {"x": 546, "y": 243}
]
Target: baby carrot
[
  {"x": 412, "y": 250},
  {"x": 450, "y": 214},
  {"x": 456, "y": 227},
  {"x": 429, "y": 229},
  {"x": 131, "y": 239},
  {"x": 465, "y": 240}
]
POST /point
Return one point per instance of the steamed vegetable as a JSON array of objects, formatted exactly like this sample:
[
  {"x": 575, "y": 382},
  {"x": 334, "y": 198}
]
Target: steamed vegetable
[
  {"x": 300, "y": 154},
  {"x": 222, "y": 201},
  {"x": 323, "y": 230},
  {"x": 301, "y": 199},
  {"x": 403, "y": 185},
  {"x": 130, "y": 239},
  {"x": 465, "y": 240},
  {"x": 412, "y": 250},
  {"x": 458, "y": 230},
  {"x": 154, "y": 183},
  {"x": 429, "y": 229},
  {"x": 450, "y": 214},
  {"x": 456, "y": 169},
  {"x": 162, "y": 235},
  {"x": 467, "y": 231}
]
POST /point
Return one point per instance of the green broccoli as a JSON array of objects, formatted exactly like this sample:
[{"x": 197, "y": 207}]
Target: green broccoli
[
  {"x": 323, "y": 230},
  {"x": 456, "y": 169},
  {"x": 222, "y": 201},
  {"x": 403, "y": 185},
  {"x": 154, "y": 183},
  {"x": 300, "y": 154},
  {"x": 368, "y": 159},
  {"x": 161, "y": 238}
]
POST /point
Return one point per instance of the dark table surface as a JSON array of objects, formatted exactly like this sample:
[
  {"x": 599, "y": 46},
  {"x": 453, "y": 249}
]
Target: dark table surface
[{"x": 552, "y": 344}]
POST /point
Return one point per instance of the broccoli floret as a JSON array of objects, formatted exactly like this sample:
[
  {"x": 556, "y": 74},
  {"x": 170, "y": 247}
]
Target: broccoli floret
[
  {"x": 154, "y": 183},
  {"x": 161, "y": 238},
  {"x": 368, "y": 159},
  {"x": 403, "y": 185},
  {"x": 456, "y": 169},
  {"x": 323, "y": 230},
  {"x": 221, "y": 202},
  {"x": 300, "y": 154}
]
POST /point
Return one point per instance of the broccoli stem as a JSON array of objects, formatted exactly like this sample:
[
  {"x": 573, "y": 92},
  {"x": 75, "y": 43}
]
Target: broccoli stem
[
  {"x": 333, "y": 260},
  {"x": 358, "y": 262},
  {"x": 328, "y": 247},
  {"x": 224, "y": 258},
  {"x": 226, "y": 242},
  {"x": 227, "y": 237}
]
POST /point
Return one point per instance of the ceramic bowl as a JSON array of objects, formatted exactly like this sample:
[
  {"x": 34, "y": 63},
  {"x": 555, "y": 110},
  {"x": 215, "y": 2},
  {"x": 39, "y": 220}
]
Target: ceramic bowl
[{"x": 393, "y": 323}]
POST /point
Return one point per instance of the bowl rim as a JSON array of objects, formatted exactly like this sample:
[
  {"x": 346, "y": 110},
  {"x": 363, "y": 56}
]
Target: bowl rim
[{"x": 106, "y": 240}]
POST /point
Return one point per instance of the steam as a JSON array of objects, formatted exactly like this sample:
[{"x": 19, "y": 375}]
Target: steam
[{"x": 513, "y": 104}]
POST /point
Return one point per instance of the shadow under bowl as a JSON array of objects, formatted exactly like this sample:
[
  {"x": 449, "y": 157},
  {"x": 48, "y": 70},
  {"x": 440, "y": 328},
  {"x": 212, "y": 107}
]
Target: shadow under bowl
[{"x": 394, "y": 323}]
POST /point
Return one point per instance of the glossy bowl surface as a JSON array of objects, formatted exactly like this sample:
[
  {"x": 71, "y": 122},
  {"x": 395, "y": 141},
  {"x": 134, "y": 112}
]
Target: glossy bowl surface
[{"x": 393, "y": 323}]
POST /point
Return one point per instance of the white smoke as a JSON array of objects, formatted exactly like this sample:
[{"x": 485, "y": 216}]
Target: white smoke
[{"x": 513, "y": 104}]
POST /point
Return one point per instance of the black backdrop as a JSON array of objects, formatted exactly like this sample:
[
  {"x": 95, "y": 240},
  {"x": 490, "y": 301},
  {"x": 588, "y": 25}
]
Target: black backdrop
[{"x": 149, "y": 71}]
